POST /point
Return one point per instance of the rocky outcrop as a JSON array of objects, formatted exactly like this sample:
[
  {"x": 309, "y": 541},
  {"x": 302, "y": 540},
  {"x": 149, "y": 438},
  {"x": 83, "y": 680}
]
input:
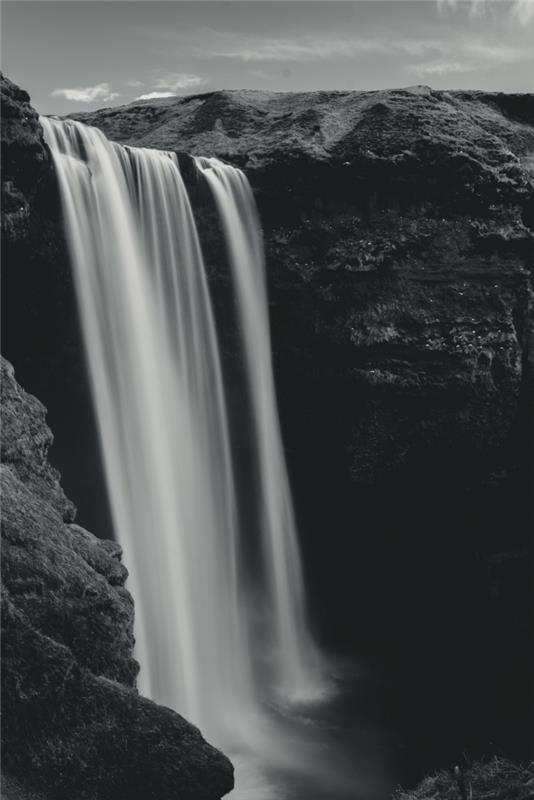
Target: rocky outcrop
[
  {"x": 73, "y": 723},
  {"x": 498, "y": 779},
  {"x": 25, "y": 160},
  {"x": 400, "y": 250}
]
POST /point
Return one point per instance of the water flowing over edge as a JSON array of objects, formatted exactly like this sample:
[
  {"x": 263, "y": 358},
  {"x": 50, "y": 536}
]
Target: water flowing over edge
[
  {"x": 298, "y": 676},
  {"x": 158, "y": 388}
]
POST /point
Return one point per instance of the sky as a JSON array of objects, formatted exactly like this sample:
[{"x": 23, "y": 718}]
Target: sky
[{"x": 77, "y": 55}]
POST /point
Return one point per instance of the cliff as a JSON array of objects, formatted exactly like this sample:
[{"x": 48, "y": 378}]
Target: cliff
[
  {"x": 399, "y": 228},
  {"x": 73, "y": 723},
  {"x": 399, "y": 232}
]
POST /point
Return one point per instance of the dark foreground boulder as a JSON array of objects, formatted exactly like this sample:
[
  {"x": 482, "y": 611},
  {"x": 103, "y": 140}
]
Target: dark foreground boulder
[{"x": 74, "y": 725}]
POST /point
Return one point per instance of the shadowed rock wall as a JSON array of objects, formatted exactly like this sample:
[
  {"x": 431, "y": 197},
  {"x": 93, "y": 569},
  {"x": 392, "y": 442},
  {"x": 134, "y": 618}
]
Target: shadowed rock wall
[
  {"x": 73, "y": 723},
  {"x": 400, "y": 246}
]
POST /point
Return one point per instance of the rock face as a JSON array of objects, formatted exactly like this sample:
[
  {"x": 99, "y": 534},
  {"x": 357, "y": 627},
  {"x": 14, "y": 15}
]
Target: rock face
[
  {"x": 400, "y": 246},
  {"x": 25, "y": 159},
  {"x": 73, "y": 724},
  {"x": 399, "y": 233}
]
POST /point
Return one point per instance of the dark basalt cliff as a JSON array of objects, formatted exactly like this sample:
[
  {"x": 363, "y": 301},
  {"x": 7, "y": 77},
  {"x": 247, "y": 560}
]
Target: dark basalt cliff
[
  {"x": 399, "y": 228},
  {"x": 73, "y": 724},
  {"x": 25, "y": 160},
  {"x": 399, "y": 232}
]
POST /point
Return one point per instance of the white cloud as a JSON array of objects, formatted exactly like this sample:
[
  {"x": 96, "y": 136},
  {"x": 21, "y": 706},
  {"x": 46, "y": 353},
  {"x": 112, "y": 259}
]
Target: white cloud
[
  {"x": 155, "y": 95},
  {"x": 438, "y": 68},
  {"x": 465, "y": 55},
  {"x": 249, "y": 47},
  {"x": 179, "y": 81},
  {"x": 431, "y": 56},
  {"x": 520, "y": 10},
  {"x": 171, "y": 83},
  {"x": 299, "y": 49},
  {"x": 523, "y": 10},
  {"x": 88, "y": 94},
  {"x": 444, "y": 52}
]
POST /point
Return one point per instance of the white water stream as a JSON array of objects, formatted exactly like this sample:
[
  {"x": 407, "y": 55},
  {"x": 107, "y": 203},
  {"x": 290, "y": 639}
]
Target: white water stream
[
  {"x": 158, "y": 389},
  {"x": 297, "y": 670}
]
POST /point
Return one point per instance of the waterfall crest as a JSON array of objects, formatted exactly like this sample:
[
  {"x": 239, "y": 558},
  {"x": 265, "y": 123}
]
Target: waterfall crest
[{"x": 158, "y": 389}]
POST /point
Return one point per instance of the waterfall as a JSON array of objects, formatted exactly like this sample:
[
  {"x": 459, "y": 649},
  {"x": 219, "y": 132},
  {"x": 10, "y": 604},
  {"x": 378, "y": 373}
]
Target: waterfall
[
  {"x": 276, "y": 519},
  {"x": 159, "y": 394}
]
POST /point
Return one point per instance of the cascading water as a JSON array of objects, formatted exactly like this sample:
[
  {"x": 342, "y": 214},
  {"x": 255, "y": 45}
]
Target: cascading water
[
  {"x": 158, "y": 390},
  {"x": 157, "y": 385},
  {"x": 297, "y": 670}
]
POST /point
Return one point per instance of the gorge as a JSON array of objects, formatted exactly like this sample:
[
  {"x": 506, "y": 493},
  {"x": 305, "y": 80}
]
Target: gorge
[{"x": 399, "y": 263}]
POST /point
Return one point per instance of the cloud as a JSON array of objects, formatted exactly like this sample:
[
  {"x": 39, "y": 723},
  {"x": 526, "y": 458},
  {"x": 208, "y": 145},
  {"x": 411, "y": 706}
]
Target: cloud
[
  {"x": 89, "y": 94},
  {"x": 465, "y": 55},
  {"x": 179, "y": 81},
  {"x": 298, "y": 49},
  {"x": 171, "y": 83},
  {"x": 155, "y": 95},
  {"x": 208, "y": 43},
  {"x": 430, "y": 56},
  {"x": 523, "y": 10},
  {"x": 438, "y": 68},
  {"x": 445, "y": 51},
  {"x": 520, "y": 10}
]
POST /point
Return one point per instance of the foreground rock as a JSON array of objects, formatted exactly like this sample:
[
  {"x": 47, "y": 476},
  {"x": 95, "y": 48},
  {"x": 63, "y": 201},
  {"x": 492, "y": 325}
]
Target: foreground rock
[
  {"x": 73, "y": 723},
  {"x": 498, "y": 779},
  {"x": 25, "y": 160}
]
